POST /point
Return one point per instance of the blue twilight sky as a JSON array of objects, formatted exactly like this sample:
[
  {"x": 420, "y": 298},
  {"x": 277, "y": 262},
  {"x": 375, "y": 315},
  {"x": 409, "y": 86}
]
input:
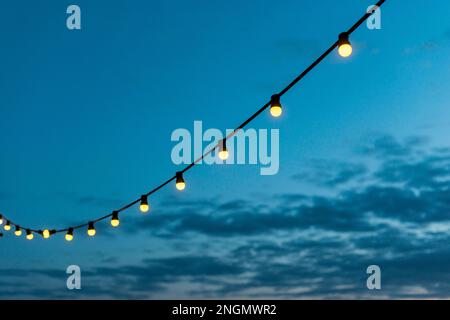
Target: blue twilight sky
[{"x": 86, "y": 118}]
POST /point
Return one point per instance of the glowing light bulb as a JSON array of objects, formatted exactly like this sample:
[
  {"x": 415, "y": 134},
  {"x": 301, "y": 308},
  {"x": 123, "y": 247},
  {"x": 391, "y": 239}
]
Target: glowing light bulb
[
  {"x": 144, "y": 207},
  {"x": 344, "y": 47},
  {"x": 46, "y": 234},
  {"x": 180, "y": 184},
  {"x": 69, "y": 234},
  {"x": 345, "y": 50},
  {"x": 1, "y": 219},
  {"x": 7, "y": 226},
  {"x": 115, "y": 219},
  {"x": 18, "y": 231},
  {"x": 91, "y": 229},
  {"x": 30, "y": 235},
  {"x": 223, "y": 153},
  {"x": 275, "y": 106}
]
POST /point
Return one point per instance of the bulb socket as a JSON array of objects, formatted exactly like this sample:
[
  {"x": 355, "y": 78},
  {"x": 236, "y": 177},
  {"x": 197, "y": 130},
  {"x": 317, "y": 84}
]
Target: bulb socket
[
  {"x": 224, "y": 145},
  {"x": 343, "y": 39},
  {"x": 179, "y": 177},
  {"x": 144, "y": 200},
  {"x": 275, "y": 101}
]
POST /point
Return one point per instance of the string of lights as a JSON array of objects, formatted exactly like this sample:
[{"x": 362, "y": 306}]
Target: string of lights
[{"x": 344, "y": 50}]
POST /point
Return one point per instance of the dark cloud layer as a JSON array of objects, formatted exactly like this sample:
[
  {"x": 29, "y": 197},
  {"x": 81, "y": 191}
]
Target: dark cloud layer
[{"x": 394, "y": 214}]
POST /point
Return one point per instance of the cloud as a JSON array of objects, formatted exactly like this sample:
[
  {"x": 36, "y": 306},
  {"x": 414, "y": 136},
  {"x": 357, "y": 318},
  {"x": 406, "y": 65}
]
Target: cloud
[
  {"x": 146, "y": 280},
  {"x": 386, "y": 146},
  {"x": 409, "y": 184},
  {"x": 428, "y": 172},
  {"x": 331, "y": 173},
  {"x": 293, "y": 245}
]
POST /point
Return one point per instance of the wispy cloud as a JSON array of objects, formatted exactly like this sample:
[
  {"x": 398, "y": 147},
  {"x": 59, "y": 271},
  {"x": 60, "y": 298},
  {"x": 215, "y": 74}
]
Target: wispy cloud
[{"x": 331, "y": 173}]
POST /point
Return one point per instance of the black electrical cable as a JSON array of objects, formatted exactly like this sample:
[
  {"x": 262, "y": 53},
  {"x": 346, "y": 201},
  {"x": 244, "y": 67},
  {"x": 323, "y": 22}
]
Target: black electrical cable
[{"x": 235, "y": 131}]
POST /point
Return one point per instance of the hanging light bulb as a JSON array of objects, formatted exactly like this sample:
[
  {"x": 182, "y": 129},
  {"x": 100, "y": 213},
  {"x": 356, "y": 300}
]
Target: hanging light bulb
[
  {"x": 180, "y": 184},
  {"x": 18, "y": 231},
  {"x": 91, "y": 229},
  {"x": 1, "y": 219},
  {"x": 115, "y": 219},
  {"x": 223, "y": 153},
  {"x": 144, "y": 207},
  {"x": 344, "y": 47},
  {"x": 7, "y": 225},
  {"x": 275, "y": 106},
  {"x": 46, "y": 234},
  {"x": 30, "y": 235},
  {"x": 69, "y": 234}
]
